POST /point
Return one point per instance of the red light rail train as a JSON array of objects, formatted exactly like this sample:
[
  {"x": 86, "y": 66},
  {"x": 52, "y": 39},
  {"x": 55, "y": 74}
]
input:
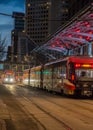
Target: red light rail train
[{"x": 71, "y": 75}]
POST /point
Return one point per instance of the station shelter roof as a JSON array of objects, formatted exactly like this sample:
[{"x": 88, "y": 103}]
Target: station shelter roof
[{"x": 75, "y": 33}]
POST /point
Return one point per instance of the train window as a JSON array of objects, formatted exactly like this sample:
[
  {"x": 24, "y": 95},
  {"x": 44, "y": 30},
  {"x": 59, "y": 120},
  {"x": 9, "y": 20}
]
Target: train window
[
  {"x": 71, "y": 70},
  {"x": 55, "y": 72},
  {"x": 88, "y": 73},
  {"x": 47, "y": 73},
  {"x": 60, "y": 72},
  {"x": 63, "y": 72}
]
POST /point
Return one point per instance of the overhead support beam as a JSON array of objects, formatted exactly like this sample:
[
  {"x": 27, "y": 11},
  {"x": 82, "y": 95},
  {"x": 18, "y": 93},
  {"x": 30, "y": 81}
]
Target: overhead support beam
[
  {"x": 64, "y": 45},
  {"x": 57, "y": 48},
  {"x": 82, "y": 34},
  {"x": 74, "y": 39}
]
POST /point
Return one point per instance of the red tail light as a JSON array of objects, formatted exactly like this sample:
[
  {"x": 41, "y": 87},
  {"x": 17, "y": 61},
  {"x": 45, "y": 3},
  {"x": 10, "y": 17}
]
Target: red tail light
[{"x": 77, "y": 65}]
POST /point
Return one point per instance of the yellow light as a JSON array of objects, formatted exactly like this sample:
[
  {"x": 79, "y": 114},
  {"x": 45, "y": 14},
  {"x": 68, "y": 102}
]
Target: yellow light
[{"x": 86, "y": 65}]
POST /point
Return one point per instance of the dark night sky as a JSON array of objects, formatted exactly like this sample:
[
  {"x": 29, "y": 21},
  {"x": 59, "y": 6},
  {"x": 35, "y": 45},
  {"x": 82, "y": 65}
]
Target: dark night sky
[{"x": 6, "y": 22}]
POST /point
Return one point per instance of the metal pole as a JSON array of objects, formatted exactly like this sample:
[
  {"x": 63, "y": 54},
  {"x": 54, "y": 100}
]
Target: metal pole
[{"x": 29, "y": 76}]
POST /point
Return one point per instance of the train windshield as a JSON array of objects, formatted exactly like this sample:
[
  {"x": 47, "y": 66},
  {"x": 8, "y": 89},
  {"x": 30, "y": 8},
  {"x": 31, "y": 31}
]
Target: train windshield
[{"x": 84, "y": 74}]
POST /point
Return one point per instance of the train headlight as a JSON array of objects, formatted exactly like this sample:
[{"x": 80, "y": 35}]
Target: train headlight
[
  {"x": 6, "y": 79},
  {"x": 11, "y": 79}
]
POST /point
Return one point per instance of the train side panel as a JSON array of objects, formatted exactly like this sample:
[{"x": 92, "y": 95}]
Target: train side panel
[
  {"x": 47, "y": 78},
  {"x": 35, "y": 77},
  {"x": 53, "y": 77}
]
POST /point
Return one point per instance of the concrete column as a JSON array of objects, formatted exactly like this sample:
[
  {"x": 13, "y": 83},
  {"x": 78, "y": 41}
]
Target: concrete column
[{"x": 90, "y": 49}]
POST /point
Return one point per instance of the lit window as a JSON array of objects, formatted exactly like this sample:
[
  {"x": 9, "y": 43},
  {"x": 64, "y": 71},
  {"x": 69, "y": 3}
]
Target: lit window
[{"x": 28, "y": 4}]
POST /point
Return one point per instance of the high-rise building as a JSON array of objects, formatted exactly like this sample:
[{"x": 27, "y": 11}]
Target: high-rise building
[
  {"x": 37, "y": 16},
  {"x": 9, "y": 53},
  {"x": 45, "y": 17},
  {"x": 18, "y": 27},
  {"x": 18, "y": 20},
  {"x": 24, "y": 47}
]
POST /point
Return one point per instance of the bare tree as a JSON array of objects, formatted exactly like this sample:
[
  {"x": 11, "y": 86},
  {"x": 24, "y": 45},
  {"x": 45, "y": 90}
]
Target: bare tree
[{"x": 2, "y": 47}]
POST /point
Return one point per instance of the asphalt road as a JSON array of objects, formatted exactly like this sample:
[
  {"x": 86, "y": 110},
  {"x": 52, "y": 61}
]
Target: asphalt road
[{"x": 25, "y": 108}]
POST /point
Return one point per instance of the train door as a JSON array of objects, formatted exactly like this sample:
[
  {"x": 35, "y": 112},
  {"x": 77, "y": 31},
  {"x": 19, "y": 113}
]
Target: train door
[
  {"x": 71, "y": 72},
  {"x": 41, "y": 78},
  {"x": 68, "y": 82},
  {"x": 56, "y": 78}
]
